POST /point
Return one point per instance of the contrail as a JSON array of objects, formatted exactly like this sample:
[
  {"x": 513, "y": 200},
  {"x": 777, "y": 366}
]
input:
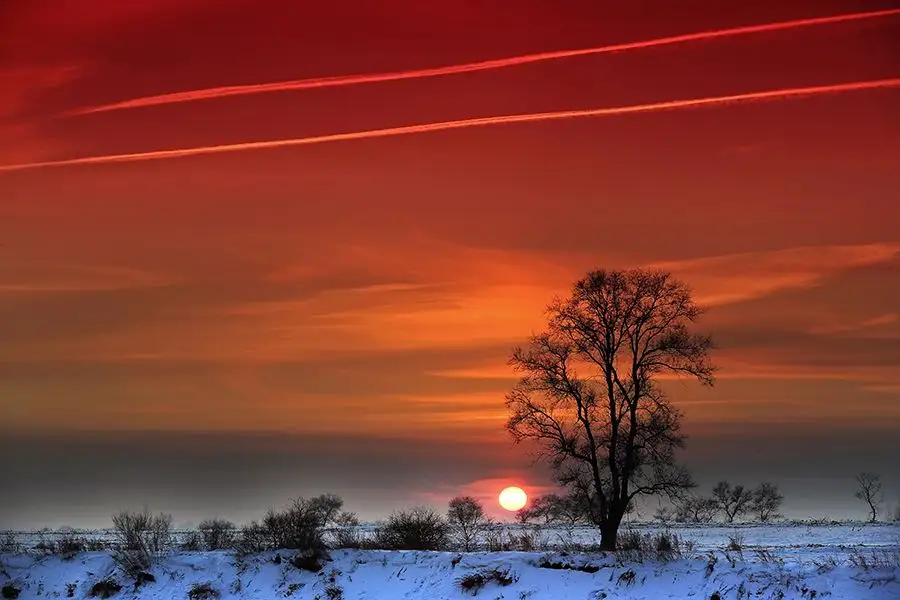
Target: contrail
[
  {"x": 342, "y": 80},
  {"x": 780, "y": 94}
]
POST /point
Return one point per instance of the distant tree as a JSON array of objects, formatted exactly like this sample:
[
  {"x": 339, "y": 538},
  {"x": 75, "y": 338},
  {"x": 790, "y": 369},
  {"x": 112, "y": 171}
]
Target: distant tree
[
  {"x": 732, "y": 501},
  {"x": 553, "y": 509},
  {"x": 896, "y": 516},
  {"x": 695, "y": 509},
  {"x": 467, "y": 520},
  {"x": 869, "y": 492},
  {"x": 588, "y": 392},
  {"x": 766, "y": 502}
]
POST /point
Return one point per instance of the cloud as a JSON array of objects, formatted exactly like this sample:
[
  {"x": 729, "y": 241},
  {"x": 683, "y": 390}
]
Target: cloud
[
  {"x": 864, "y": 327},
  {"x": 52, "y": 278},
  {"x": 735, "y": 278}
]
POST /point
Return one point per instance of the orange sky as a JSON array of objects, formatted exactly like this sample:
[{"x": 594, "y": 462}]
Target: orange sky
[{"x": 373, "y": 289}]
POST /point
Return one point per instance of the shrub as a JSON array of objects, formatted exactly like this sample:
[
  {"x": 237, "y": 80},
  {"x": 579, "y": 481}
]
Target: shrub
[
  {"x": 334, "y": 592},
  {"x": 663, "y": 546},
  {"x": 546, "y": 563},
  {"x": 874, "y": 559},
  {"x": 143, "y": 578},
  {"x": 475, "y": 582},
  {"x": 9, "y": 543},
  {"x": 419, "y": 528},
  {"x": 735, "y": 542},
  {"x": 70, "y": 543},
  {"x": 466, "y": 519},
  {"x": 302, "y": 525},
  {"x": 192, "y": 541},
  {"x": 203, "y": 591},
  {"x": 105, "y": 588},
  {"x": 216, "y": 534},
  {"x": 141, "y": 537},
  {"x": 252, "y": 539},
  {"x": 310, "y": 560},
  {"x": 347, "y": 533},
  {"x": 10, "y": 592}
]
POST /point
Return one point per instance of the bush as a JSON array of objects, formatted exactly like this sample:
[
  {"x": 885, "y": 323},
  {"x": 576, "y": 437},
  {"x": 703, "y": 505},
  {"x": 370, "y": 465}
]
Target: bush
[
  {"x": 203, "y": 591},
  {"x": 70, "y": 543},
  {"x": 192, "y": 541},
  {"x": 663, "y": 546},
  {"x": 253, "y": 539},
  {"x": 302, "y": 525},
  {"x": 419, "y": 528},
  {"x": 735, "y": 542},
  {"x": 347, "y": 533},
  {"x": 216, "y": 534},
  {"x": 334, "y": 592},
  {"x": 474, "y": 582},
  {"x": 105, "y": 588},
  {"x": 310, "y": 560},
  {"x": 10, "y": 592},
  {"x": 142, "y": 537},
  {"x": 9, "y": 544}
]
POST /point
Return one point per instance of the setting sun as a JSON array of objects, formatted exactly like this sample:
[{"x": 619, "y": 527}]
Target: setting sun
[{"x": 513, "y": 498}]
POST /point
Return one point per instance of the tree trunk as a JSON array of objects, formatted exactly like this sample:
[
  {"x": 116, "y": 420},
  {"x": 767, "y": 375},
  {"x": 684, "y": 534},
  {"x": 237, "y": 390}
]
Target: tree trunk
[{"x": 609, "y": 529}]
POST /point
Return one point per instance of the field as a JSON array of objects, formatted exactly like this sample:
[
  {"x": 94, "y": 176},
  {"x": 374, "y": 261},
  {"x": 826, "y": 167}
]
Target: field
[{"x": 840, "y": 561}]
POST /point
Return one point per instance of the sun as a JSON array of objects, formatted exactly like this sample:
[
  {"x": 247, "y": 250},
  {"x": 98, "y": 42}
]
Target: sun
[{"x": 513, "y": 498}]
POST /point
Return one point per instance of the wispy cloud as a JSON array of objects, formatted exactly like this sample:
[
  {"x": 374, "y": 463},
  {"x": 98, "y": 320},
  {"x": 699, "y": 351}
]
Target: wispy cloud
[
  {"x": 710, "y": 101},
  {"x": 49, "y": 278},
  {"x": 858, "y": 327},
  {"x": 738, "y": 277},
  {"x": 346, "y": 80}
]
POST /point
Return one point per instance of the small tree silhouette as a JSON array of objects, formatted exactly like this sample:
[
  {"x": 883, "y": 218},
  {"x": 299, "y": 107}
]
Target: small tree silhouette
[
  {"x": 766, "y": 502},
  {"x": 733, "y": 501},
  {"x": 869, "y": 492},
  {"x": 466, "y": 518}
]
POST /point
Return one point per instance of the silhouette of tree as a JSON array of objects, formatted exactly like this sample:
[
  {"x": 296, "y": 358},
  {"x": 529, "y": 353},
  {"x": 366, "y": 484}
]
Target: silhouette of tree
[
  {"x": 869, "y": 492},
  {"x": 588, "y": 393},
  {"x": 733, "y": 501},
  {"x": 766, "y": 502},
  {"x": 467, "y": 519}
]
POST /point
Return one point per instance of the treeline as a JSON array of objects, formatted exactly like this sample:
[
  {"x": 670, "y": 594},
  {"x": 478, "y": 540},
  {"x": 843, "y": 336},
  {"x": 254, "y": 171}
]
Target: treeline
[
  {"x": 728, "y": 502},
  {"x": 307, "y": 528}
]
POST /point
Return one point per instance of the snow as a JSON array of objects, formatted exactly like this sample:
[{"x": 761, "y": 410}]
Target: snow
[{"x": 787, "y": 562}]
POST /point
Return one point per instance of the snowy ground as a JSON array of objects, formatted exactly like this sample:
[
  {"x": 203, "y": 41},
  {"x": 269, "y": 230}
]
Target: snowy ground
[
  {"x": 358, "y": 574},
  {"x": 778, "y": 562}
]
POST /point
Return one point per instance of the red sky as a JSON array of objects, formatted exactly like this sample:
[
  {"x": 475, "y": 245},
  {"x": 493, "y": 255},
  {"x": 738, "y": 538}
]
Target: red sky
[{"x": 369, "y": 292}]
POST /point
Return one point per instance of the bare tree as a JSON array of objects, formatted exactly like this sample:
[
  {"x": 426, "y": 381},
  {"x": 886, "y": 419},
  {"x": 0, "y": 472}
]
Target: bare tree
[
  {"x": 553, "y": 509},
  {"x": 694, "y": 509},
  {"x": 588, "y": 393},
  {"x": 869, "y": 492},
  {"x": 733, "y": 501},
  {"x": 766, "y": 501},
  {"x": 467, "y": 520}
]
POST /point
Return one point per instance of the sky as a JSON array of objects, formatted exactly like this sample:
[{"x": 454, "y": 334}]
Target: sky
[{"x": 219, "y": 333}]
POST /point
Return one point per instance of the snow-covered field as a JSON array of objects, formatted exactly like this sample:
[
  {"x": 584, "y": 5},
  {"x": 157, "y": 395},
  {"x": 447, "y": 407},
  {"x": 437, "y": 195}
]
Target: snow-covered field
[{"x": 777, "y": 562}]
